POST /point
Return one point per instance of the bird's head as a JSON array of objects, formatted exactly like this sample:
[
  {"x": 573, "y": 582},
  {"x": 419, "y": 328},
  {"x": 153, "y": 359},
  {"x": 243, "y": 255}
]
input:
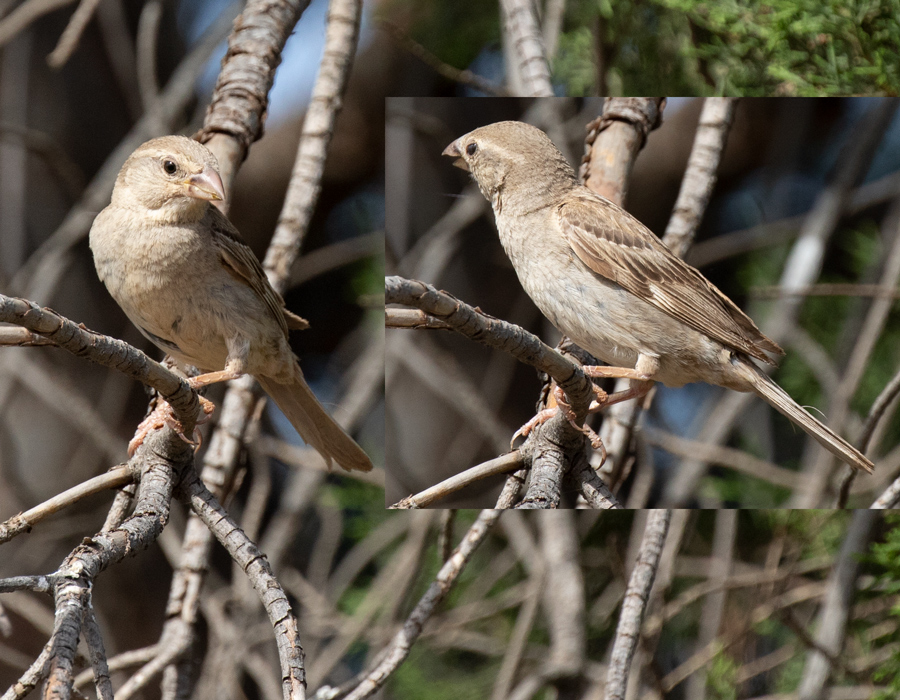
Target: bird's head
[
  {"x": 172, "y": 176},
  {"x": 510, "y": 155}
]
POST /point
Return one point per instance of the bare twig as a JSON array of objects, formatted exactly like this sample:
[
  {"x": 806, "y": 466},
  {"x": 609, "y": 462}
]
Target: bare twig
[
  {"x": 634, "y": 604},
  {"x": 727, "y": 245},
  {"x": 21, "y": 337},
  {"x": 68, "y": 40},
  {"x": 23, "y": 522},
  {"x": 700, "y": 176},
  {"x": 613, "y": 140},
  {"x": 234, "y": 118},
  {"x": 119, "y": 662},
  {"x": 341, "y": 34},
  {"x": 253, "y": 562},
  {"x": 714, "y": 605},
  {"x": 724, "y": 456},
  {"x": 554, "y": 12},
  {"x": 835, "y": 612},
  {"x": 889, "y": 498},
  {"x": 115, "y": 32},
  {"x": 877, "y": 291},
  {"x": 393, "y": 318},
  {"x": 336, "y": 255},
  {"x": 44, "y": 146},
  {"x": 500, "y": 465},
  {"x": 563, "y": 595},
  {"x": 25, "y": 14},
  {"x": 437, "y": 591},
  {"x": 819, "y": 467},
  {"x": 492, "y": 332},
  {"x": 105, "y": 351},
  {"x": 611, "y": 146},
  {"x": 525, "y": 36},
  {"x": 147, "y": 37},
  {"x": 463, "y": 77},
  {"x": 97, "y": 651}
]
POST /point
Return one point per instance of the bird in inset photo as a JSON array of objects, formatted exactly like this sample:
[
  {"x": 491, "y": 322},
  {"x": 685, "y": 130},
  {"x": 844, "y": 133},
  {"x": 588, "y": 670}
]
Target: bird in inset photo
[{"x": 608, "y": 283}]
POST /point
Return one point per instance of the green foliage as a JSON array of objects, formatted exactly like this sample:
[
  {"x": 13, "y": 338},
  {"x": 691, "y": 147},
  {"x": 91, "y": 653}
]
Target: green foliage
[
  {"x": 691, "y": 47},
  {"x": 361, "y": 504},
  {"x": 886, "y": 556},
  {"x": 455, "y": 32},
  {"x": 795, "y": 47},
  {"x": 734, "y": 487},
  {"x": 643, "y": 49},
  {"x": 721, "y": 681},
  {"x": 437, "y": 676},
  {"x": 570, "y": 66}
]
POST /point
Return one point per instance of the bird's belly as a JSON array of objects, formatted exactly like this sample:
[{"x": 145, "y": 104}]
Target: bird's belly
[
  {"x": 616, "y": 326},
  {"x": 185, "y": 314}
]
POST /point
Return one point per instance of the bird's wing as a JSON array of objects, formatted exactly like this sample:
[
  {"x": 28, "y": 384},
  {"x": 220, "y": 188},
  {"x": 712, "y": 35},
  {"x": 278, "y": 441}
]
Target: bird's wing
[
  {"x": 620, "y": 248},
  {"x": 241, "y": 263}
]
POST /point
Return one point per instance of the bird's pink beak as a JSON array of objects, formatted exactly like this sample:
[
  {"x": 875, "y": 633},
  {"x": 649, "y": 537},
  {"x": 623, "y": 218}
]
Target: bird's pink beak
[
  {"x": 454, "y": 151},
  {"x": 206, "y": 185}
]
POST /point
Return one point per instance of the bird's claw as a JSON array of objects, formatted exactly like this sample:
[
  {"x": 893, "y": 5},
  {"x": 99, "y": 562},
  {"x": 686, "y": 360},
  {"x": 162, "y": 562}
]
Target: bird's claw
[
  {"x": 537, "y": 420},
  {"x": 161, "y": 416},
  {"x": 563, "y": 405}
]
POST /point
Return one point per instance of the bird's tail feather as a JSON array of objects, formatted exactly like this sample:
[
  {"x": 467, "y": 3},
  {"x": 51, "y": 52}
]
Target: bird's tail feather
[
  {"x": 316, "y": 427},
  {"x": 779, "y": 399}
]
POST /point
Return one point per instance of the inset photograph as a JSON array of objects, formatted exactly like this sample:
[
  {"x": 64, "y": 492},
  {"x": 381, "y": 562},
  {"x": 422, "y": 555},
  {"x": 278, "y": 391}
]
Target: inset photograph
[{"x": 642, "y": 302}]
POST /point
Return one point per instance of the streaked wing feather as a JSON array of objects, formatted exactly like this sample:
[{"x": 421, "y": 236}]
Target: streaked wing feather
[
  {"x": 240, "y": 261},
  {"x": 627, "y": 253}
]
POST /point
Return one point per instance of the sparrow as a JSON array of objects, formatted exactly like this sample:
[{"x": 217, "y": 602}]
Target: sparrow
[
  {"x": 181, "y": 272},
  {"x": 608, "y": 283}
]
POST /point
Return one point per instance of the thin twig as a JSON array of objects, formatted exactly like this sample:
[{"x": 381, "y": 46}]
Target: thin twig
[
  {"x": 105, "y": 351},
  {"x": 499, "y": 465},
  {"x": 68, "y": 40},
  {"x": 253, "y": 563},
  {"x": 25, "y": 14},
  {"x": 234, "y": 118},
  {"x": 94, "y": 639},
  {"x": 23, "y": 522},
  {"x": 401, "y": 644},
  {"x": 463, "y": 77},
  {"x": 728, "y": 457},
  {"x": 399, "y": 318},
  {"x": 493, "y": 332},
  {"x": 341, "y": 35},
  {"x": 635, "y": 602}
]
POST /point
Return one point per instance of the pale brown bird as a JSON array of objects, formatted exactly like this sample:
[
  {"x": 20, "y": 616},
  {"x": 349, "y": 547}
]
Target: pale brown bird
[
  {"x": 608, "y": 283},
  {"x": 183, "y": 275}
]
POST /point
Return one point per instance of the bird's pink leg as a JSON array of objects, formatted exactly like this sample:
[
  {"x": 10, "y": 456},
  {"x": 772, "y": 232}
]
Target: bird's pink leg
[
  {"x": 163, "y": 415},
  {"x": 642, "y": 381}
]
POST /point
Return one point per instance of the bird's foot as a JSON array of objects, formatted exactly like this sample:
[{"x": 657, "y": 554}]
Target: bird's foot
[
  {"x": 563, "y": 405},
  {"x": 163, "y": 415},
  {"x": 539, "y": 419},
  {"x": 566, "y": 408}
]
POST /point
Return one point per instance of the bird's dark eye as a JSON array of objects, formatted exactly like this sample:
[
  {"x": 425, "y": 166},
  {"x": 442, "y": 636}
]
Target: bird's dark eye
[
  {"x": 170, "y": 167},
  {"x": 471, "y": 148}
]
